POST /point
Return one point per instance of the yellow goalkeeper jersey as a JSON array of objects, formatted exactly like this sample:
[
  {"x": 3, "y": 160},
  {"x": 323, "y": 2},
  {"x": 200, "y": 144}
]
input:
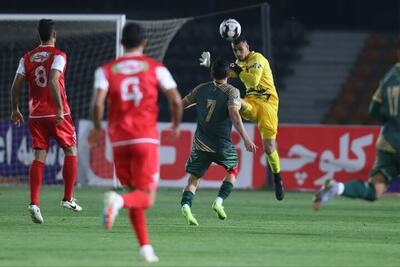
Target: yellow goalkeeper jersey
[{"x": 257, "y": 78}]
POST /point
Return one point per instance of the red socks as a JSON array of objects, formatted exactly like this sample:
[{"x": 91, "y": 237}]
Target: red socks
[
  {"x": 136, "y": 199},
  {"x": 139, "y": 223},
  {"x": 70, "y": 171},
  {"x": 35, "y": 181}
]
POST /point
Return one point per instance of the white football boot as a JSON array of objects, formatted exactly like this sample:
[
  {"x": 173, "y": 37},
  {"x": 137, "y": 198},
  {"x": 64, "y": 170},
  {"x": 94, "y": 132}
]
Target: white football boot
[
  {"x": 148, "y": 254},
  {"x": 327, "y": 192},
  {"x": 70, "y": 204},
  {"x": 112, "y": 204},
  {"x": 36, "y": 216}
]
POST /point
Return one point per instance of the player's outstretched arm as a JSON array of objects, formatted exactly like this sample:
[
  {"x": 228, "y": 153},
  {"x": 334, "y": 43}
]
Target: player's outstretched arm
[
  {"x": 16, "y": 115},
  {"x": 238, "y": 124}
]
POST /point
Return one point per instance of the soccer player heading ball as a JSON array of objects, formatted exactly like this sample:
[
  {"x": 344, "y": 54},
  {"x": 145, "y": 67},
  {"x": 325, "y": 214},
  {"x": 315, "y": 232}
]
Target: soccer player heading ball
[
  {"x": 49, "y": 114},
  {"x": 261, "y": 100}
]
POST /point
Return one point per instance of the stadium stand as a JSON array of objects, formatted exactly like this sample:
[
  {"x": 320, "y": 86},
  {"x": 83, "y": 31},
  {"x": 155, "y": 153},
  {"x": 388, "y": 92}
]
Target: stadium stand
[
  {"x": 374, "y": 59},
  {"x": 324, "y": 65}
]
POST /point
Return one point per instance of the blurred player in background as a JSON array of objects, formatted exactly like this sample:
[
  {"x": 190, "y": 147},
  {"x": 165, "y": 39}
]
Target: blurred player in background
[
  {"x": 261, "y": 100},
  {"x": 385, "y": 105},
  {"x": 131, "y": 84},
  {"x": 49, "y": 114},
  {"x": 218, "y": 105}
]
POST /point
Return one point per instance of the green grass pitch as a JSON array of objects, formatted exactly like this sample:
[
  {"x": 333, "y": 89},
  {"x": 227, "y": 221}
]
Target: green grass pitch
[{"x": 259, "y": 231}]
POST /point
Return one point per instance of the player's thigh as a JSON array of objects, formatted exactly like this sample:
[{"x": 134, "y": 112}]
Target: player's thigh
[
  {"x": 387, "y": 164},
  {"x": 144, "y": 166},
  {"x": 250, "y": 112},
  {"x": 39, "y": 130},
  {"x": 227, "y": 158},
  {"x": 122, "y": 163},
  {"x": 267, "y": 121},
  {"x": 64, "y": 133},
  {"x": 198, "y": 162}
]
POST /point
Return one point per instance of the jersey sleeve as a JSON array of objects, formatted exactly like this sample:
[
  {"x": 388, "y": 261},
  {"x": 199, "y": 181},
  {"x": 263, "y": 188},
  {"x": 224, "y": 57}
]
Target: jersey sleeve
[
  {"x": 21, "y": 67},
  {"x": 378, "y": 94},
  {"x": 100, "y": 80},
  {"x": 252, "y": 76},
  {"x": 59, "y": 62},
  {"x": 191, "y": 98},
  {"x": 164, "y": 78},
  {"x": 234, "y": 97}
]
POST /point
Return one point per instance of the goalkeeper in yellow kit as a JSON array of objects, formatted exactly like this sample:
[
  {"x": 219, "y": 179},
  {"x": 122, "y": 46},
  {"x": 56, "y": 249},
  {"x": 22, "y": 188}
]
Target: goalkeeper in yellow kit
[{"x": 261, "y": 100}]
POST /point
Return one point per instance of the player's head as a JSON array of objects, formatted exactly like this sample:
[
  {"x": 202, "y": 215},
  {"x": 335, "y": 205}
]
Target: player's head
[
  {"x": 240, "y": 48},
  {"x": 133, "y": 36},
  {"x": 219, "y": 69},
  {"x": 47, "y": 30}
]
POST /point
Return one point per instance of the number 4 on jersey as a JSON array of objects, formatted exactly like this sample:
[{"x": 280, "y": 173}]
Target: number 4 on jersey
[{"x": 130, "y": 90}]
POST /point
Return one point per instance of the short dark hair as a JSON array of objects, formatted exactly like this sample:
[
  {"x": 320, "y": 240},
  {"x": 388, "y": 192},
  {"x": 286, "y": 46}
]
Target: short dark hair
[
  {"x": 219, "y": 69},
  {"x": 240, "y": 39},
  {"x": 45, "y": 28},
  {"x": 132, "y": 35}
]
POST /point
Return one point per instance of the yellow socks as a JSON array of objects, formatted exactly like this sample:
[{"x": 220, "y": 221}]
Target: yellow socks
[{"x": 274, "y": 162}]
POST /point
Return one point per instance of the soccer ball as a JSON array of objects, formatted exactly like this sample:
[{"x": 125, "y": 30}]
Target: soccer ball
[{"x": 230, "y": 29}]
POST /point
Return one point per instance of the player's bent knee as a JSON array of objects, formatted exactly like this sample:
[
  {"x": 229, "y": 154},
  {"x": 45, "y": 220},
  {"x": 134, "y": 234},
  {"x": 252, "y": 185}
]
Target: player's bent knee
[
  {"x": 70, "y": 151},
  {"x": 269, "y": 146}
]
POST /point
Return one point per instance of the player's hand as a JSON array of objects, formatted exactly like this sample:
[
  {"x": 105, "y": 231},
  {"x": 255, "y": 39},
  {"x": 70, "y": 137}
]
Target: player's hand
[
  {"x": 59, "y": 117},
  {"x": 205, "y": 59},
  {"x": 17, "y": 118},
  {"x": 175, "y": 132},
  {"x": 95, "y": 137},
  {"x": 235, "y": 68},
  {"x": 250, "y": 146}
]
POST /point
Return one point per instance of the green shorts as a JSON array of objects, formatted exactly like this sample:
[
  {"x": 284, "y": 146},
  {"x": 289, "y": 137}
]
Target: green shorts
[
  {"x": 199, "y": 161},
  {"x": 386, "y": 163}
]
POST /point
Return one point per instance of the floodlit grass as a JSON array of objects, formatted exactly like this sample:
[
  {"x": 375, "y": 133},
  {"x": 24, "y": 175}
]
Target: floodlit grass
[{"x": 259, "y": 231}]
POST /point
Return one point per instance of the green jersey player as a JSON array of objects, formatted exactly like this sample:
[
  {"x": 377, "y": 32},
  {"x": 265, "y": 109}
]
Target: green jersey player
[
  {"x": 218, "y": 104},
  {"x": 385, "y": 105}
]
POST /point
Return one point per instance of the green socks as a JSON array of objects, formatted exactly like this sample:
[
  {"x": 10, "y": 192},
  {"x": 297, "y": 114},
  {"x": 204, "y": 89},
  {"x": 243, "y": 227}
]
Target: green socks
[
  {"x": 225, "y": 189},
  {"x": 359, "y": 189},
  {"x": 187, "y": 197}
]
